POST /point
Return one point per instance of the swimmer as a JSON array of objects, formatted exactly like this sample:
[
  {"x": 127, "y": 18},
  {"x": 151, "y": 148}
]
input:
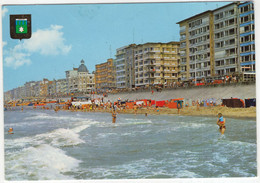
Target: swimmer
[
  {"x": 221, "y": 123},
  {"x": 22, "y": 109},
  {"x": 10, "y": 131},
  {"x": 146, "y": 114},
  {"x": 114, "y": 116}
]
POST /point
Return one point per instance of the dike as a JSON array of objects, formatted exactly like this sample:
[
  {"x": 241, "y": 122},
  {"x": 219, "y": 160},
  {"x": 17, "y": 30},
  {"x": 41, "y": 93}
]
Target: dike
[{"x": 218, "y": 92}]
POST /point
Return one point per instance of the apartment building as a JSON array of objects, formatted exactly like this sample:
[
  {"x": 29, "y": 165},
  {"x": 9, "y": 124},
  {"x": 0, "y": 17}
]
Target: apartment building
[
  {"x": 156, "y": 63},
  {"x": 217, "y": 42},
  {"x": 79, "y": 79},
  {"x": 36, "y": 89},
  {"x": 124, "y": 64},
  {"x": 247, "y": 40},
  {"x": 71, "y": 77},
  {"x": 44, "y": 87},
  {"x": 105, "y": 75},
  {"x": 196, "y": 47},
  {"x": 226, "y": 39},
  {"x": 52, "y": 88},
  {"x": 61, "y": 86},
  {"x": 86, "y": 80},
  {"x": 29, "y": 88}
]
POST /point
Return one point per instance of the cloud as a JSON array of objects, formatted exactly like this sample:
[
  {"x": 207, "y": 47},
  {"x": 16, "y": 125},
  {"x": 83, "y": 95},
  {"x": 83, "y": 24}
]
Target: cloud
[
  {"x": 17, "y": 60},
  {"x": 44, "y": 41},
  {"x": 4, "y": 11},
  {"x": 47, "y": 42},
  {"x": 4, "y": 43}
]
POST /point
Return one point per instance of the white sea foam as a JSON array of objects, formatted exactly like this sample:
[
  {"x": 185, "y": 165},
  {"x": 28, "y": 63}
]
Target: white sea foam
[
  {"x": 41, "y": 162},
  {"x": 45, "y": 116},
  {"x": 193, "y": 125},
  {"x": 219, "y": 157},
  {"x": 24, "y": 124},
  {"x": 58, "y": 137},
  {"x": 186, "y": 174},
  {"x": 240, "y": 143},
  {"x": 147, "y": 122},
  {"x": 105, "y": 135}
]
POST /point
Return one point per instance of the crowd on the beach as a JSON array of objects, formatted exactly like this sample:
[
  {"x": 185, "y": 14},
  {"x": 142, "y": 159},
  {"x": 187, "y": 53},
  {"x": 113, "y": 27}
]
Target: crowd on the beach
[{"x": 120, "y": 106}]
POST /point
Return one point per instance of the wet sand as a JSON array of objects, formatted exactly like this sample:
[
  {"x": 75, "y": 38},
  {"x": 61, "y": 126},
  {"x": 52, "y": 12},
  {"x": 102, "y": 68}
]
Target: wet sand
[{"x": 241, "y": 113}]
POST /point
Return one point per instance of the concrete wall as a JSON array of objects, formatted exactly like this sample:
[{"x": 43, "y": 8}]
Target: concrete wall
[{"x": 218, "y": 93}]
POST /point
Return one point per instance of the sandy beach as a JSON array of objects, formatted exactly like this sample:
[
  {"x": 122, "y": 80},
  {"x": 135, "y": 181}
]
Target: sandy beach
[{"x": 241, "y": 113}]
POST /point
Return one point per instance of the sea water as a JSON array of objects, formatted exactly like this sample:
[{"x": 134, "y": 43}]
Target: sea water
[{"x": 77, "y": 145}]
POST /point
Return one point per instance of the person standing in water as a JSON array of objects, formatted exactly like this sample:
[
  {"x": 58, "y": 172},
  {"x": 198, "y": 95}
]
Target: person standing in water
[
  {"x": 221, "y": 123},
  {"x": 114, "y": 116},
  {"x": 10, "y": 131}
]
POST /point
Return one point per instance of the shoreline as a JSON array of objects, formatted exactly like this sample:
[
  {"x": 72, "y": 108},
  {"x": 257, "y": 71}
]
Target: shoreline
[
  {"x": 235, "y": 113},
  {"x": 212, "y": 111}
]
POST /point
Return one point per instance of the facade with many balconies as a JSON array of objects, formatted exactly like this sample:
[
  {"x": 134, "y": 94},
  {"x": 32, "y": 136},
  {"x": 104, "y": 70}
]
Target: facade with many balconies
[
  {"x": 156, "y": 63},
  {"x": 105, "y": 75},
  {"x": 124, "y": 64},
  {"x": 196, "y": 47},
  {"x": 247, "y": 40},
  {"x": 217, "y": 43},
  {"x": 226, "y": 39}
]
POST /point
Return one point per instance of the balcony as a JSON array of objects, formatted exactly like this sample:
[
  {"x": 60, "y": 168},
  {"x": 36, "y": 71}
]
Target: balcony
[
  {"x": 150, "y": 63},
  {"x": 182, "y": 38},
  {"x": 182, "y": 30},
  {"x": 182, "y": 71},
  {"x": 183, "y": 46},
  {"x": 151, "y": 71}
]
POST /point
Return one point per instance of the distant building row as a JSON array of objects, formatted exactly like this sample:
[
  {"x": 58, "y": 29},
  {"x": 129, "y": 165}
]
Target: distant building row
[
  {"x": 140, "y": 65},
  {"x": 78, "y": 80}
]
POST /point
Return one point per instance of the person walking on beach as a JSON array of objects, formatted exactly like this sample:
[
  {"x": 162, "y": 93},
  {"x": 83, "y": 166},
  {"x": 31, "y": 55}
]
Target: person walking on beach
[
  {"x": 135, "y": 109},
  {"x": 178, "y": 107},
  {"x": 198, "y": 105},
  {"x": 221, "y": 123},
  {"x": 113, "y": 116}
]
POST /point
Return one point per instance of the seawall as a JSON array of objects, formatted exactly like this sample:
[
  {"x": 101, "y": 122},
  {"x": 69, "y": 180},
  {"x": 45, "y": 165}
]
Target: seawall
[{"x": 194, "y": 93}]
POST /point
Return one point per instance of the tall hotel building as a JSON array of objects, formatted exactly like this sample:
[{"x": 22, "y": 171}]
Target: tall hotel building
[
  {"x": 212, "y": 45},
  {"x": 105, "y": 75},
  {"x": 196, "y": 47},
  {"x": 156, "y": 63},
  {"x": 125, "y": 67},
  {"x": 226, "y": 39},
  {"x": 247, "y": 40}
]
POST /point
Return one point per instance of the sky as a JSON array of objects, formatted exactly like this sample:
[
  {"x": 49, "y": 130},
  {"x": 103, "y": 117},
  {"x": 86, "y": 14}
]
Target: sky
[{"x": 63, "y": 35}]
